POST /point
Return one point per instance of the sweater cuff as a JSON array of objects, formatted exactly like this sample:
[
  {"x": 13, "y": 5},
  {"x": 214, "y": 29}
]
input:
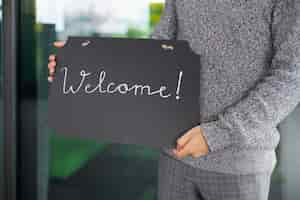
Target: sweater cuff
[{"x": 217, "y": 137}]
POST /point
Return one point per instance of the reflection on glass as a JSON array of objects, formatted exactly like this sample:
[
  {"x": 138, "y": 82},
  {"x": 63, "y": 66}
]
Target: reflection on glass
[
  {"x": 84, "y": 169},
  {"x": 80, "y": 168}
]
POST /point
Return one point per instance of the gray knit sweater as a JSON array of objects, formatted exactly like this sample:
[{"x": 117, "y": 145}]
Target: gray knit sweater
[{"x": 250, "y": 75}]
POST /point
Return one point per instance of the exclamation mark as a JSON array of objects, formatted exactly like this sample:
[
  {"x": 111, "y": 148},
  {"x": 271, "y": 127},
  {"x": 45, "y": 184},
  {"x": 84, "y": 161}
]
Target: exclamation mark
[{"x": 179, "y": 85}]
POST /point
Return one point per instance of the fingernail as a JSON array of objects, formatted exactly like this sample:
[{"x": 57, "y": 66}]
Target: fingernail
[
  {"x": 50, "y": 78},
  {"x": 52, "y": 70},
  {"x": 174, "y": 151},
  {"x": 51, "y": 57}
]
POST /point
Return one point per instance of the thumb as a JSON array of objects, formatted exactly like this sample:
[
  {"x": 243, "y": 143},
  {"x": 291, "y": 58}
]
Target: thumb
[
  {"x": 183, "y": 140},
  {"x": 59, "y": 44},
  {"x": 185, "y": 151}
]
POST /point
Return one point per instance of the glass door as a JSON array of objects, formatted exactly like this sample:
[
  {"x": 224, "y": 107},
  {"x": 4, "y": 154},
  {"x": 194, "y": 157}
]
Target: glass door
[
  {"x": 54, "y": 167},
  {"x": 57, "y": 168}
]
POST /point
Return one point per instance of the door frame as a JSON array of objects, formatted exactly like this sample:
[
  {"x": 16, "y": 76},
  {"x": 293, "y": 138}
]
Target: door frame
[{"x": 10, "y": 108}]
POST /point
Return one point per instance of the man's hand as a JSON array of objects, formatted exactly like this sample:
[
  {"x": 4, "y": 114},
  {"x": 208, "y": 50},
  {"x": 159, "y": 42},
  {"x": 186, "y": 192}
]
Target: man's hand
[
  {"x": 191, "y": 143},
  {"x": 52, "y": 61}
]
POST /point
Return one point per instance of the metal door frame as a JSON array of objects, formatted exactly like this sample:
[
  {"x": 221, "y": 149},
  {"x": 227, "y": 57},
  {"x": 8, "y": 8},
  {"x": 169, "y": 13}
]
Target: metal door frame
[{"x": 10, "y": 53}]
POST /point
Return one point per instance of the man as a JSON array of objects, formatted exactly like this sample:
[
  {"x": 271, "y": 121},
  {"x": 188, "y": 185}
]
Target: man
[{"x": 249, "y": 82}]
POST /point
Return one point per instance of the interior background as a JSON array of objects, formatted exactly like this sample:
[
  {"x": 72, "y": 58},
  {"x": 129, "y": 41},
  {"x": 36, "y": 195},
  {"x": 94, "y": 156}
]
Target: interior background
[{"x": 70, "y": 168}]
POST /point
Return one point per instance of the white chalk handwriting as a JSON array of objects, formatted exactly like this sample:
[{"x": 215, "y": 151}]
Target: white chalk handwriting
[{"x": 105, "y": 87}]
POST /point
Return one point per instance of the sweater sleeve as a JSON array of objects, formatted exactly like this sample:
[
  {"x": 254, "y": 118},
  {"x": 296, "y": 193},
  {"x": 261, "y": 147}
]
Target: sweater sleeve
[
  {"x": 166, "y": 27},
  {"x": 273, "y": 97}
]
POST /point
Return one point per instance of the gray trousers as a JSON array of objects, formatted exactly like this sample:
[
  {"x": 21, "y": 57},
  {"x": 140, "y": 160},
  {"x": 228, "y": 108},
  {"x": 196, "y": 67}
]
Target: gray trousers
[{"x": 179, "y": 181}]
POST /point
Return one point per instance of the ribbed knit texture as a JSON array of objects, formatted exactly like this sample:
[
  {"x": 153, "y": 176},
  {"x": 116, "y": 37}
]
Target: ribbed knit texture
[{"x": 249, "y": 78}]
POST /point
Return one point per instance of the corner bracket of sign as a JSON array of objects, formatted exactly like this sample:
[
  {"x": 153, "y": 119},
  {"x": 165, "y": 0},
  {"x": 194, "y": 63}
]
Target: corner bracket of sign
[
  {"x": 86, "y": 43},
  {"x": 167, "y": 47}
]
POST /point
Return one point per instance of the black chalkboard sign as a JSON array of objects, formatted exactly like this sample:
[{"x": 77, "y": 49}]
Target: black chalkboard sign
[{"x": 132, "y": 91}]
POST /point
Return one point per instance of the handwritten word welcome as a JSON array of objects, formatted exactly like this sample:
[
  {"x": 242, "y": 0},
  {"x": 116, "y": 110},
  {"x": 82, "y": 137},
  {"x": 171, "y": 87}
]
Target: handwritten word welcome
[{"x": 103, "y": 86}]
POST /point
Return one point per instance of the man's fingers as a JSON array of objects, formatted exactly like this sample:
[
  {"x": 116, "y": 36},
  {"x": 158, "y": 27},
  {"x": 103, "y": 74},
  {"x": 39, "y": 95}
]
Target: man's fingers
[
  {"x": 185, "y": 151},
  {"x": 51, "y": 71},
  {"x": 183, "y": 140},
  {"x": 51, "y": 65},
  {"x": 59, "y": 44},
  {"x": 52, "y": 57}
]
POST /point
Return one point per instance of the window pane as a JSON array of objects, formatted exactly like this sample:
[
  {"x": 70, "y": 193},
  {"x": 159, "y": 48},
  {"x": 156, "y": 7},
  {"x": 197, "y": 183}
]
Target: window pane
[{"x": 71, "y": 168}]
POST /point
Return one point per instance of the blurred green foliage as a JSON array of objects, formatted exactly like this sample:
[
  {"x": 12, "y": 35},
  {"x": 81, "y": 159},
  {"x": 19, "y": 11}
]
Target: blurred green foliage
[
  {"x": 69, "y": 154},
  {"x": 156, "y": 10}
]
